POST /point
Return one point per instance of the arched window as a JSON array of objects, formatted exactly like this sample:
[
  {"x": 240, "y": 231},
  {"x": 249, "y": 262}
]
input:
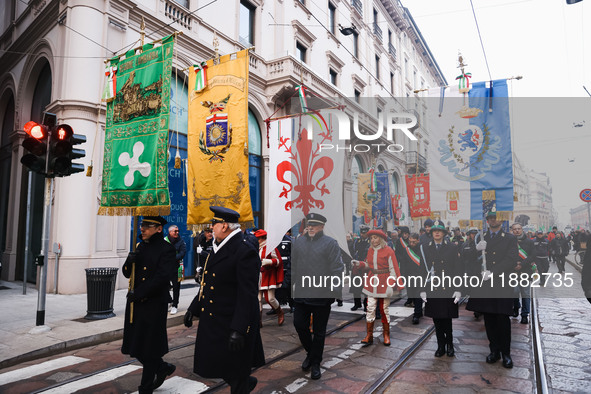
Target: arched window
[
  {"x": 255, "y": 172},
  {"x": 395, "y": 179}
]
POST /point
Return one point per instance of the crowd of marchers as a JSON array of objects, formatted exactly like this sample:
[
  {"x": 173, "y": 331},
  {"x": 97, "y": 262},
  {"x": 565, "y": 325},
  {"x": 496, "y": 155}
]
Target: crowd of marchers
[{"x": 238, "y": 273}]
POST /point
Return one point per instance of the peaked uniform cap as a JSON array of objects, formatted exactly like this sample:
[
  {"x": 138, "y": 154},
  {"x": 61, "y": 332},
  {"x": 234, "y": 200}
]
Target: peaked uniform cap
[
  {"x": 315, "y": 218},
  {"x": 159, "y": 220},
  {"x": 223, "y": 214},
  {"x": 438, "y": 225}
]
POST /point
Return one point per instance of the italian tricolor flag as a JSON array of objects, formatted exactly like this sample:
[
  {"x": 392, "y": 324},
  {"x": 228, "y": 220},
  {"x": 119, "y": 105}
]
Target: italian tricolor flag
[{"x": 201, "y": 78}]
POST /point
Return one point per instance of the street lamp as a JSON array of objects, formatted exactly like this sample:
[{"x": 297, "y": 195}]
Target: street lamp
[{"x": 347, "y": 31}]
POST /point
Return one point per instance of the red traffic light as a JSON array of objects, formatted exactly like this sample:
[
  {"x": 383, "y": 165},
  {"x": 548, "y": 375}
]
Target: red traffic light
[
  {"x": 36, "y": 130},
  {"x": 63, "y": 132}
]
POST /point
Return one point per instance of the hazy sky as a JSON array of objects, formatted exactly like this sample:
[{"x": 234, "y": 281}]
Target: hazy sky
[{"x": 547, "y": 43}]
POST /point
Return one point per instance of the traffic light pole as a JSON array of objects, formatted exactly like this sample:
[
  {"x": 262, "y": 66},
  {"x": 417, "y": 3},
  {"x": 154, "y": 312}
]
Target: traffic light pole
[{"x": 44, "y": 251}]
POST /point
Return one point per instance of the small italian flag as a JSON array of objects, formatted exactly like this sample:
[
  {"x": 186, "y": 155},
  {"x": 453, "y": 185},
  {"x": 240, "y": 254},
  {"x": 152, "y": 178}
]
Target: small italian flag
[{"x": 201, "y": 78}]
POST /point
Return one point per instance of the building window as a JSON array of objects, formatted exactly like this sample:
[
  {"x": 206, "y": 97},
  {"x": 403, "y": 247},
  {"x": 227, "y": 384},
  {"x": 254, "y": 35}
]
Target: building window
[
  {"x": 333, "y": 76},
  {"x": 184, "y": 3},
  {"x": 301, "y": 51},
  {"x": 377, "y": 67},
  {"x": 246, "y": 23},
  {"x": 332, "y": 11},
  {"x": 392, "y": 82},
  {"x": 357, "y": 96},
  {"x": 356, "y": 45},
  {"x": 406, "y": 69}
]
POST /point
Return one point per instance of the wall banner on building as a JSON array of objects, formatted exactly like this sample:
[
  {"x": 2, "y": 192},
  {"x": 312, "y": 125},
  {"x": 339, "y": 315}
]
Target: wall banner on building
[
  {"x": 135, "y": 172},
  {"x": 218, "y": 142}
]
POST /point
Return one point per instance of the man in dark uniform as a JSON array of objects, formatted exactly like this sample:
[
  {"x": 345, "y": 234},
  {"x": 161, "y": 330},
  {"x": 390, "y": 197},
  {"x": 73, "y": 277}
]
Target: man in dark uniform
[
  {"x": 203, "y": 248},
  {"x": 441, "y": 299},
  {"x": 541, "y": 253},
  {"x": 360, "y": 248},
  {"x": 426, "y": 237},
  {"x": 149, "y": 268},
  {"x": 470, "y": 258},
  {"x": 283, "y": 294},
  {"x": 586, "y": 276},
  {"x": 314, "y": 255},
  {"x": 228, "y": 340},
  {"x": 525, "y": 265},
  {"x": 494, "y": 299},
  {"x": 410, "y": 260},
  {"x": 401, "y": 257}
]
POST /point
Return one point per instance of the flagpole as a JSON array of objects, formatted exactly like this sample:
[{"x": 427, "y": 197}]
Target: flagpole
[{"x": 447, "y": 86}]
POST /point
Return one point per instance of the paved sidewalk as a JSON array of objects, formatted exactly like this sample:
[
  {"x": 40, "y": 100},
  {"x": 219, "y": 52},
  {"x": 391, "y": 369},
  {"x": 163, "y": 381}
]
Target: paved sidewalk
[{"x": 64, "y": 315}]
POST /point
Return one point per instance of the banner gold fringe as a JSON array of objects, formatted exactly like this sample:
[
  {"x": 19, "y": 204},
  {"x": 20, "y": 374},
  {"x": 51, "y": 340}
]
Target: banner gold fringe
[
  {"x": 135, "y": 211},
  {"x": 476, "y": 223},
  {"x": 504, "y": 215}
]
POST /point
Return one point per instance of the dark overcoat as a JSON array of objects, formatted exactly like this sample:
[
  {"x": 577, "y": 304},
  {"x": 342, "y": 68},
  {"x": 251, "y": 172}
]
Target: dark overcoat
[
  {"x": 229, "y": 302},
  {"x": 445, "y": 264},
  {"x": 154, "y": 264},
  {"x": 496, "y": 296},
  {"x": 409, "y": 269}
]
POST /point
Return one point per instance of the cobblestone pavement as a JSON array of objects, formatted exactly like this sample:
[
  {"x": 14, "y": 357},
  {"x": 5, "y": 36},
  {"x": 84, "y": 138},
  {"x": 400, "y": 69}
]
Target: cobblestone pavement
[{"x": 565, "y": 325}]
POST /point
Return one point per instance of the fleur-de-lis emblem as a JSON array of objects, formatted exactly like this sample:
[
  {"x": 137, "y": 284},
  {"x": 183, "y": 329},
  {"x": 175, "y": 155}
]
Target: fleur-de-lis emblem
[{"x": 309, "y": 169}]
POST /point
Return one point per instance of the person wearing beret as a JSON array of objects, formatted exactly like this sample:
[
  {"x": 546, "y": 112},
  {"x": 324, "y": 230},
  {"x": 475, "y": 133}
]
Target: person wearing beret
[
  {"x": 149, "y": 268},
  {"x": 314, "y": 255},
  {"x": 426, "y": 236},
  {"x": 271, "y": 276},
  {"x": 440, "y": 298},
  {"x": 379, "y": 263},
  {"x": 228, "y": 343},
  {"x": 360, "y": 248},
  {"x": 494, "y": 299}
]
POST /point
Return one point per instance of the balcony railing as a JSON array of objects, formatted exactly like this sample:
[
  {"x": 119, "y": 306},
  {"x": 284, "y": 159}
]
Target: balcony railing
[
  {"x": 377, "y": 31},
  {"x": 358, "y": 6},
  {"x": 392, "y": 50},
  {"x": 413, "y": 158},
  {"x": 176, "y": 13}
]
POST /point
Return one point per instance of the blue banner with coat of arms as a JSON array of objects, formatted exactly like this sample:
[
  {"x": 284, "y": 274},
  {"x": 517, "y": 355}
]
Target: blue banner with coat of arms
[{"x": 470, "y": 154}]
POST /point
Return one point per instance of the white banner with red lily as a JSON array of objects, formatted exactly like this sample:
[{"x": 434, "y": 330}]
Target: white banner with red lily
[{"x": 304, "y": 178}]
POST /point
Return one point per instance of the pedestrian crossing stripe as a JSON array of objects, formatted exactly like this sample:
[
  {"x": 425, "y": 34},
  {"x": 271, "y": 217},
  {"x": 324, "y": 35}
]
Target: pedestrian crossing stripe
[
  {"x": 103, "y": 377},
  {"x": 178, "y": 385},
  {"x": 38, "y": 369}
]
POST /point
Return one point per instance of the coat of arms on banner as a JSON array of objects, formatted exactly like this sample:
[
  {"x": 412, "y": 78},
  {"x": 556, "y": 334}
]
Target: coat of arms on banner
[
  {"x": 453, "y": 199},
  {"x": 218, "y": 132}
]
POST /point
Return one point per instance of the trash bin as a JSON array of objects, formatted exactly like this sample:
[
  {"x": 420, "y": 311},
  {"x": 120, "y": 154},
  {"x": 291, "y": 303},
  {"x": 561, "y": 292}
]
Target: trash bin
[{"x": 100, "y": 291}]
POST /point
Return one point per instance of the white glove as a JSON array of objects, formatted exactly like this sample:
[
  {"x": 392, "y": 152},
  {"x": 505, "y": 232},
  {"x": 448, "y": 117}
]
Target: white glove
[
  {"x": 486, "y": 275},
  {"x": 355, "y": 262},
  {"x": 199, "y": 269},
  {"x": 267, "y": 261},
  {"x": 423, "y": 296},
  {"x": 457, "y": 295},
  {"x": 480, "y": 246},
  {"x": 389, "y": 292},
  {"x": 199, "y": 249}
]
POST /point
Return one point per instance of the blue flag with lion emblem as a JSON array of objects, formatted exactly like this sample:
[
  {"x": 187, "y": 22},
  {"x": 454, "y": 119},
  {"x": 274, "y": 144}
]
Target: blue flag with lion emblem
[{"x": 470, "y": 153}]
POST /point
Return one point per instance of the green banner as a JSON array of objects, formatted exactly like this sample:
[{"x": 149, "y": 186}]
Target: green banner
[{"x": 135, "y": 171}]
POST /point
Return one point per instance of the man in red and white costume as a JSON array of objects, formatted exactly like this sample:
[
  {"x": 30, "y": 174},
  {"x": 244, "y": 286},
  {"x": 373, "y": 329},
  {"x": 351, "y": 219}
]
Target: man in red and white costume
[
  {"x": 382, "y": 271},
  {"x": 271, "y": 276}
]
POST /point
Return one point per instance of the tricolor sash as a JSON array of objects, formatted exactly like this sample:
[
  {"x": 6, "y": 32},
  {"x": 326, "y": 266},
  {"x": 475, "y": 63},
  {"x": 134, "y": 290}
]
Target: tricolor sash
[{"x": 413, "y": 256}]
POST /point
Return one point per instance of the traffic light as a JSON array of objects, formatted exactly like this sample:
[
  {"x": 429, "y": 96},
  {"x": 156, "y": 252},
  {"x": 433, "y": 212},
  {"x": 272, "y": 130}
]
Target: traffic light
[
  {"x": 62, "y": 151},
  {"x": 36, "y": 144}
]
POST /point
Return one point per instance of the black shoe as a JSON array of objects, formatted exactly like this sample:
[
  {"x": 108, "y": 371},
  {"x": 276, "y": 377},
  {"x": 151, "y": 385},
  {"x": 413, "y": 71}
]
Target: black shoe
[
  {"x": 271, "y": 312},
  {"x": 339, "y": 302},
  {"x": 515, "y": 312},
  {"x": 145, "y": 390},
  {"x": 450, "y": 350},
  {"x": 165, "y": 370},
  {"x": 306, "y": 364},
  {"x": 507, "y": 362},
  {"x": 524, "y": 320},
  {"x": 315, "y": 374},
  {"x": 415, "y": 320},
  {"x": 252, "y": 383},
  {"x": 440, "y": 351},
  {"x": 355, "y": 307},
  {"x": 493, "y": 357},
  {"x": 477, "y": 315}
]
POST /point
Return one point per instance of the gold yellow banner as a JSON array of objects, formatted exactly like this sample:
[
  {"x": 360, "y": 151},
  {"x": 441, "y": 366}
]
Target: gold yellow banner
[
  {"x": 218, "y": 141},
  {"x": 364, "y": 196}
]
